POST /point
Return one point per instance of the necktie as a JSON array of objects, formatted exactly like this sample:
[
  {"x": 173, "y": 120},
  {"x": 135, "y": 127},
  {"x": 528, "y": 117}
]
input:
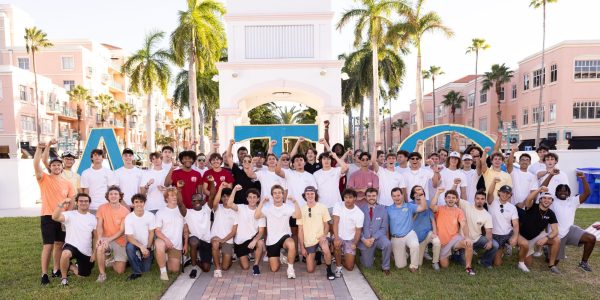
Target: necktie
[{"x": 371, "y": 212}]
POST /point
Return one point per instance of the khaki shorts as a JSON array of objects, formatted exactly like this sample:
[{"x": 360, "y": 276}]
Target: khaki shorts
[
  {"x": 174, "y": 253},
  {"x": 534, "y": 240},
  {"x": 118, "y": 251},
  {"x": 448, "y": 248}
]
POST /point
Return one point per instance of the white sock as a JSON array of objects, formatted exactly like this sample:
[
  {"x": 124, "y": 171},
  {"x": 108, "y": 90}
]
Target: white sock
[
  {"x": 290, "y": 266},
  {"x": 338, "y": 268},
  {"x": 163, "y": 270}
]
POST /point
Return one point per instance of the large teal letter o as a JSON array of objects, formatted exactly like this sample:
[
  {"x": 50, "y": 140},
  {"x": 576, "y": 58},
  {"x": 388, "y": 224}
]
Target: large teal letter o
[{"x": 479, "y": 137}]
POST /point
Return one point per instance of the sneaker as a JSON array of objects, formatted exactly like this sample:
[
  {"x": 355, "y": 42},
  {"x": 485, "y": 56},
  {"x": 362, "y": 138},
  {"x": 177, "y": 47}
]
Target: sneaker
[
  {"x": 45, "y": 280},
  {"x": 64, "y": 282},
  {"x": 133, "y": 277},
  {"x": 283, "y": 259},
  {"x": 193, "y": 273},
  {"x": 585, "y": 266},
  {"x": 56, "y": 274},
  {"x": 554, "y": 270},
  {"x": 470, "y": 271},
  {"x": 255, "y": 270},
  {"x": 436, "y": 266},
  {"x": 338, "y": 272},
  {"x": 164, "y": 276},
  {"x": 109, "y": 262},
  {"x": 251, "y": 256},
  {"x": 234, "y": 258},
  {"x": 413, "y": 270},
  {"x": 291, "y": 274},
  {"x": 508, "y": 250},
  {"x": 101, "y": 278},
  {"x": 330, "y": 274},
  {"x": 217, "y": 274},
  {"x": 537, "y": 253},
  {"x": 521, "y": 266},
  {"x": 427, "y": 256}
]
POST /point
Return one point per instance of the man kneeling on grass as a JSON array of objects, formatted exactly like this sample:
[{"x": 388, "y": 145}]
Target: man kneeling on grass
[
  {"x": 347, "y": 227},
  {"x": 169, "y": 232},
  {"x": 80, "y": 239},
  {"x": 139, "y": 230}
]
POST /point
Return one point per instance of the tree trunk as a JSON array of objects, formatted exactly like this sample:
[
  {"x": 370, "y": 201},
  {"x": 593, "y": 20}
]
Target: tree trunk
[
  {"x": 361, "y": 127},
  {"x": 150, "y": 125},
  {"x": 78, "y": 130},
  {"x": 126, "y": 131},
  {"x": 500, "y": 125},
  {"x": 196, "y": 116},
  {"x": 214, "y": 129},
  {"x": 434, "y": 109},
  {"x": 37, "y": 102},
  {"x": 391, "y": 129},
  {"x": 201, "y": 133},
  {"x": 350, "y": 131},
  {"x": 419, "y": 98},
  {"x": 539, "y": 123},
  {"x": 374, "y": 106},
  {"x": 474, "y": 96}
]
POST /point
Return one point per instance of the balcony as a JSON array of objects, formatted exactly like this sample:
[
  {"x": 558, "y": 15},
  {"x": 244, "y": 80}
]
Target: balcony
[
  {"x": 116, "y": 86},
  {"x": 67, "y": 112},
  {"x": 53, "y": 107},
  {"x": 116, "y": 123}
]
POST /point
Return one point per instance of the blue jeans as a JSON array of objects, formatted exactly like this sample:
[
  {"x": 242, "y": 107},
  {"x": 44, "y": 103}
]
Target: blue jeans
[
  {"x": 488, "y": 256},
  {"x": 138, "y": 266}
]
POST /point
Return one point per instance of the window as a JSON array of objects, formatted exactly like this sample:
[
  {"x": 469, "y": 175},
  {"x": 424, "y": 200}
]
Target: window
[
  {"x": 501, "y": 96},
  {"x": 525, "y": 116},
  {"x": 471, "y": 99},
  {"x": 552, "y": 113},
  {"x": 46, "y": 126},
  {"x": 539, "y": 77},
  {"x": 413, "y": 119},
  {"x": 31, "y": 96},
  {"x": 525, "y": 82},
  {"x": 483, "y": 97},
  {"x": 513, "y": 121},
  {"x": 538, "y": 114},
  {"x": 553, "y": 73},
  {"x": 587, "y": 69},
  {"x": 586, "y": 110},
  {"x": 69, "y": 84},
  {"x": 514, "y": 91},
  {"x": 483, "y": 126},
  {"x": 279, "y": 41},
  {"x": 429, "y": 117},
  {"x": 22, "y": 93},
  {"x": 439, "y": 111},
  {"x": 23, "y": 63},
  {"x": 27, "y": 123},
  {"x": 68, "y": 62}
]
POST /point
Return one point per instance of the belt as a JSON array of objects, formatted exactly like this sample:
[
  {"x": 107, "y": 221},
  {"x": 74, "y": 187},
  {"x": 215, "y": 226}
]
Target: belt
[{"x": 398, "y": 236}]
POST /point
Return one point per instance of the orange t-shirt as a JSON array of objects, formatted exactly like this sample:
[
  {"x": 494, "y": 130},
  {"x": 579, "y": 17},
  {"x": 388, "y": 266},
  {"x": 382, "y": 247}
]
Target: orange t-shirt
[
  {"x": 112, "y": 219},
  {"x": 447, "y": 219},
  {"x": 53, "y": 190}
]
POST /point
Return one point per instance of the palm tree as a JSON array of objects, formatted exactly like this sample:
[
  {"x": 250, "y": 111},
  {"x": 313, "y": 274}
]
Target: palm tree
[
  {"x": 125, "y": 110},
  {"x": 352, "y": 93},
  {"x": 373, "y": 20},
  {"x": 285, "y": 114},
  {"x": 35, "y": 39},
  {"x": 453, "y": 100},
  {"x": 181, "y": 124},
  {"x": 433, "y": 72},
  {"x": 399, "y": 124},
  {"x": 499, "y": 75},
  {"x": 476, "y": 46},
  {"x": 79, "y": 95},
  {"x": 148, "y": 69},
  {"x": 542, "y": 4},
  {"x": 107, "y": 103},
  {"x": 198, "y": 41},
  {"x": 418, "y": 23}
]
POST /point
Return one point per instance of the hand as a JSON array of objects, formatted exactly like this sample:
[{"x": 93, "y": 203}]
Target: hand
[
  {"x": 209, "y": 178},
  {"x": 378, "y": 144},
  {"x": 216, "y": 146},
  {"x": 265, "y": 200},
  {"x": 457, "y": 181},
  {"x": 435, "y": 168},
  {"x": 41, "y": 145},
  {"x": 180, "y": 184},
  {"x": 326, "y": 123},
  {"x": 194, "y": 143},
  {"x": 304, "y": 252},
  {"x": 252, "y": 244},
  {"x": 429, "y": 162},
  {"x": 488, "y": 245},
  {"x": 291, "y": 199},
  {"x": 554, "y": 171},
  {"x": 543, "y": 189},
  {"x": 65, "y": 203},
  {"x": 301, "y": 139},
  {"x": 162, "y": 188},
  {"x": 441, "y": 189},
  {"x": 580, "y": 175},
  {"x": 497, "y": 179},
  {"x": 349, "y": 152},
  {"x": 232, "y": 142},
  {"x": 455, "y": 134},
  {"x": 150, "y": 182},
  {"x": 334, "y": 155},
  {"x": 322, "y": 141},
  {"x": 92, "y": 258},
  {"x": 419, "y": 142},
  {"x": 145, "y": 252},
  {"x": 353, "y": 246},
  {"x": 512, "y": 241},
  {"x": 433, "y": 235},
  {"x": 273, "y": 143},
  {"x": 513, "y": 148},
  {"x": 52, "y": 142},
  {"x": 237, "y": 188},
  {"x": 542, "y": 241},
  {"x": 487, "y": 149}
]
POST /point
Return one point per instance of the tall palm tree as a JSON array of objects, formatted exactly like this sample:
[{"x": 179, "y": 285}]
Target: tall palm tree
[
  {"x": 198, "y": 41},
  {"x": 125, "y": 110},
  {"x": 148, "y": 69},
  {"x": 542, "y": 4},
  {"x": 499, "y": 75},
  {"x": 372, "y": 20},
  {"x": 79, "y": 95},
  {"x": 416, "y": 24},
  {"x": 399, "y": 124},
  {"x": 433, "y": 72},
  {"x": 35, "y": 39},
  {"x": 453, "y": 100},
  {"x": 476, "y": 46},
  {"x": 383, "y": 111},
  {"x": 180, "y": 124},
  {"x": 107, "y": 103},
  {"x": 352, "y": 93}
]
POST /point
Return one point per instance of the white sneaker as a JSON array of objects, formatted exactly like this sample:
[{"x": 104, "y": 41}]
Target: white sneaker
[
  {"x": 537, "y": 253},
  {"x": 523, "y": 267},
  {"x": 283, "y": 259},
  {"x": 338, "y": 272},
  {"x": 217, "y": 274},
  {"x": 164, "y": 276},
  {"x": 291, "y": 274},
  {"x": 427, "y": 256}
]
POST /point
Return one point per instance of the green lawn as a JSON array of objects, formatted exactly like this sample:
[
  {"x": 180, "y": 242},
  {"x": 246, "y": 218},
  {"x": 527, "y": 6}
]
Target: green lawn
[
  {"x": 502, "y": 282},
  {"x": 20, "y": 249}
]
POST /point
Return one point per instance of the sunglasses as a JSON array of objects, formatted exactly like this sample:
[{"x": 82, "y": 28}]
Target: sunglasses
[
  {"x": 247, "y": 161},
  {"x": 201, "y": 159},
  {"x": 414, "y": 158},
  {"x": 83, "y": 201},
  {"x": 310, "y": 212},
  {"x": 285, "y": 159},
  {"x": 501, "y": 208}
]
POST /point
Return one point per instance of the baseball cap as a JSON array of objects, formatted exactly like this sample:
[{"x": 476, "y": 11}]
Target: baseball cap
[
  {"x": 467, "y": 156},
  {"x": 55, "y": 159},
  {"x": 127, "y": 151},
  {"x": 310, "y": 188},
  {"x": 454, "y": 154},
  {"x": 260, "y": 154},
  {"x": 505, "y": 189},
  {"x": 68, "y": 154},
  {"x": 546, "y": 194}
]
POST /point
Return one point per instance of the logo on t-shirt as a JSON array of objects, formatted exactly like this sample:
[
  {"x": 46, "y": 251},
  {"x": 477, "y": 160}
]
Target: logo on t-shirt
[
  {"x": 194, "y": 178},
  {"x": 222, "y": 178}
]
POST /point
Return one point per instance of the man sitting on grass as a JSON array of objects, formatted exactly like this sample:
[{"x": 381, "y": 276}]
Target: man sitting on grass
[{"x": 139, "y": 230}]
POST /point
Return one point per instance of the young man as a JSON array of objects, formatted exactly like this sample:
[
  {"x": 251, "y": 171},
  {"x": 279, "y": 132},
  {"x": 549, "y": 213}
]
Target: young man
[
  {"x": 471, "y": 176},
  {"x": 552, "y": 176},
  {"x": 279, "y": 234},
  {"x": 364, "y": 178},
  {"x": 311, "y": 165},
  {"x": 167, "y": 157},
  {"x": 449, "y": 175},
  {"x": 477, "y": 218},
  {"x": 240, "y": 171},
  {"x": 139, "y": 231},
  {"x": 111, "y": 228},
  {"x": 297, "y": 179},
  {"x": 197, "y": 232},
  {"x": 249, "y": 231},
  {"x": 169, "y": 233},
  {"x": 355, "y": 165},
  {"x": 266, "y": 176},
  {"x": 505, "y": 219},
  {"x": 68, "y": 159},
  {"x": 192, "y": 180},
  {"x": 128, "y": 177},
  {"x": 200, "y": 165},
  {"x": 452, "y": 229},
  {"x": 401, "y": 215},
  {"x": 96, "y": 180},
  {"x": 402, "y": 159},
  {"x": 527, "y": 182},
  {"x": 152, "y": 184},
  {"x": 443, "y": 153},
  {"x": 222, "y": 230},
  {"x": 564, "y": 206},
  {"x": 416, "y": 175},
  {"x": 313, "y": 227},
  {"x": 328, "y": 178},
  {"x": 539, "y": 166},
  {"x": 388, "y": 179},
  {"x": 425, "y": 227},
  {"x": 490, "y": 174},
  {"x": 348, "y": 221},
  {"x": 219, "y": 173},
  {"x": 53, "y": 190},
  {"x": 380, "y": 158},
  {"x": 375, "y": 233},
  {"x": 80, "y": 238},
  {"x": 534, "y": 220}
]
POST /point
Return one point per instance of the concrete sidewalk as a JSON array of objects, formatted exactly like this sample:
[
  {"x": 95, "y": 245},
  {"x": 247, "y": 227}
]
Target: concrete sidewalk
[{"x": 20, "y": 212}]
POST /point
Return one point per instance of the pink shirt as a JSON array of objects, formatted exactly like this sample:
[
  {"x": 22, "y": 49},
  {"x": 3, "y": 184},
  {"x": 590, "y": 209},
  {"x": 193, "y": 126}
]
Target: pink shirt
[{"x": 362, "y": 179}]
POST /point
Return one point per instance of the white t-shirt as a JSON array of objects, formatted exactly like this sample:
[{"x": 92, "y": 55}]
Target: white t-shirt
[
  {"x": 224, "y": 220},
  {"x": 267, "y": 180},
  {"x": 201, "y": 171},
  {"x": 139, "y": 226},
  {"x": 523, "y": 184},
  {"x": 296, "y": 182},
  {"x": 167, "y": 165},
  {"x": 560, "y": 178},
  {"x": 198, "y": 222},
  {"x": 170, "y": 222},
  {"x": 328, "y": 186},
  {"x": 387, "y": 181},
  {"x": 155, "y": 199},
  {"x": 447, "y": 177},
  {"x": 472, "y": 178},
  {"x": 97, "y": 182},
  {"x": 502, "y": 221},
  {"x": 538, "y": 166},
  {"x": 350, "y": 219},
  {"x": 565, "y": 213},
  {"x": 419, "y": 177},
  {"x": 402, "y": 170},
  {"x": 129, "y": 182},
  {"x": 278, "y": 221},
  {"x": 476, "y": 218},
  {"x": 79, "y": 228},
  {"x": 247, "y": 224}
]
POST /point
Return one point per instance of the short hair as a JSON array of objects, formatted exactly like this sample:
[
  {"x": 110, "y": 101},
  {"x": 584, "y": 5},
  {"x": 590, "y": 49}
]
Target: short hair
[
  {"x": 525, "y": 155},
  {"x": 336, "y": 145},
  {"x": 215, "y": 156},
  {"x": 154, "y": 155},
  {"x": 242, "y": 149},
  {"x": 417, "y": 154},
  {"x": 167, "y": 148},
  {"x": 197, "y": 196},
  {"x": 542, "y": 147},
  {"x": 76, "y": 198},
  {"x": 276, "y": 187},
  {"x": 372, "y": 190},
  {"x": 226, "y": 192},
  {"x": 188, "y": 153},
  {"x": 138, "y": 196},
  {"x": 562, "y": 186},
  {"x": 311, "y": 149},
  {"x": 474, "y": 147},
  {"x": 481, "y": 192},
  {"x": 390, "y": 155},
  {"x": 442, "y": 150},
  {"x": 458, "y": 165},
  {"x": 397, "y": 189},
  {"x": 349, "y": 192},
  {"x": 114, "y": 188},
  {"x": 379, "y": 152},
  {"x": 325, "y": 154},
  {"x": 413, "y": 190},
  {"x": 98, "y": 152},
  {"x": 316, "y": 195},
  {"x": 432, "y": 155},
  {"x": 357, "y": 151},
  {"x": 298, "y": 155},
  {"x": 365, "y": 154},
  {"x": 271, "y": 154},
  {"x": 201, "y": 154},
  {"x": 551, "y": 154},
  {"x": 451, "y": 192},
  {"x": 403, "y": 152},
  {"x": 498, "y": 154},
  {"x": 253, "y": 191}
]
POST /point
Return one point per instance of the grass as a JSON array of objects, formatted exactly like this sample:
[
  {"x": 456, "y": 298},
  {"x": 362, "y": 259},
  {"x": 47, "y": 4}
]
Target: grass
[
  {"x": 502, "y": 282},
  {"x": 20, "y": 271}
]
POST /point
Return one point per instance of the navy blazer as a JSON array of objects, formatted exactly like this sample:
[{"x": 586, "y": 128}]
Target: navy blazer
[{"x": 378, "y": 227}]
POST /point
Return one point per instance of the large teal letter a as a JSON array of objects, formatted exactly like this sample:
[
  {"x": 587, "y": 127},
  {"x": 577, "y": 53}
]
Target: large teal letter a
[{"x": 112, "y": 147}]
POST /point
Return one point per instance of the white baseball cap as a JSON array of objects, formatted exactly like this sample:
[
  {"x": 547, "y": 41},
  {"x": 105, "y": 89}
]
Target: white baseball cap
[
  {"x": 454, "y": 154},
  {"x": 467, "y": 156}
]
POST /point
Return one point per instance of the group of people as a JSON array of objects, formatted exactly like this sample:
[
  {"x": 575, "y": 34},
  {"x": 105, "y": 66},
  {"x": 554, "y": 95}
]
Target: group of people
[{"x": 317, "y": 208}]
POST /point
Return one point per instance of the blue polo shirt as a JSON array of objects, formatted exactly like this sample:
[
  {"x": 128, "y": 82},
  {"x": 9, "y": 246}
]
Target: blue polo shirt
[
  {"x": 422, "y": 223},
  {"x": 401, "y": 218}
]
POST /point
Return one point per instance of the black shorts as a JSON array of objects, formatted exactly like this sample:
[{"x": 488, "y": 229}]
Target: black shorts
[
  {"x": 242, "y": 249},
  {"x": 293, "y": 222},
  {"x": 275, "y": 249},
  {"x": 51, "y": 230},
  {"x": 204, "y": 249},
  {"x": 84, "y": 265}
]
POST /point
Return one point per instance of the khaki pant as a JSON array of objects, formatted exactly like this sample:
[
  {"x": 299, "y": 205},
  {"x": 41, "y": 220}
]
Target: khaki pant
[
  {"x": 435, "y": 241},
  {"x": 399, "y": 245}
]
